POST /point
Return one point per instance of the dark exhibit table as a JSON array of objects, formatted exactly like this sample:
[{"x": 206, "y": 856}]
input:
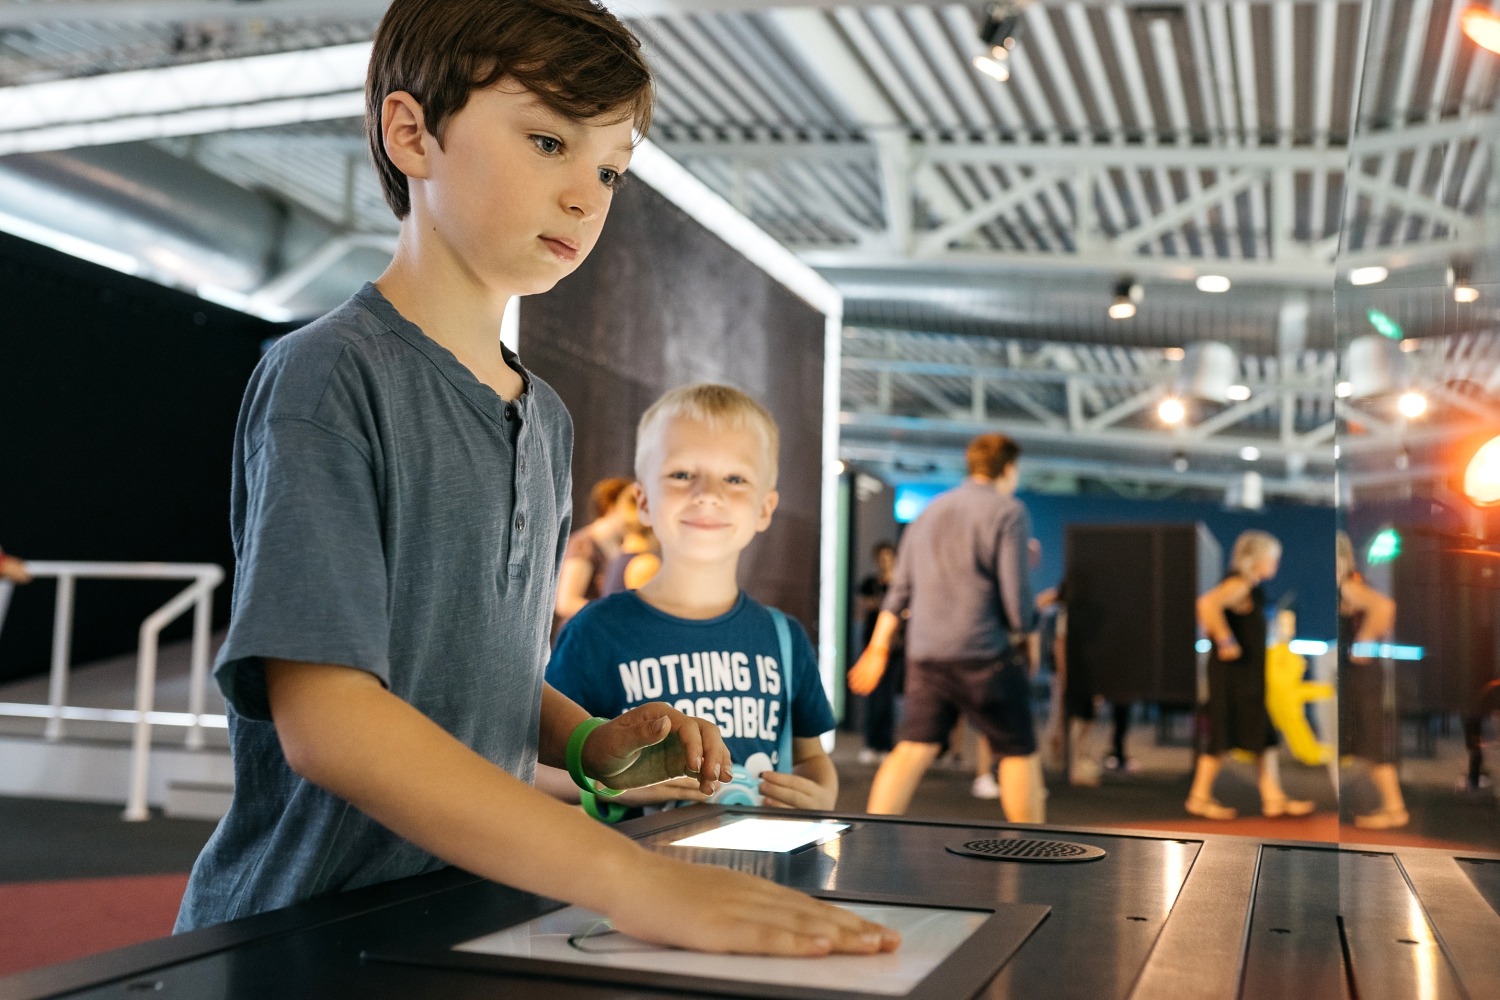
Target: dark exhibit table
[{"x": 1154, "y": 917}]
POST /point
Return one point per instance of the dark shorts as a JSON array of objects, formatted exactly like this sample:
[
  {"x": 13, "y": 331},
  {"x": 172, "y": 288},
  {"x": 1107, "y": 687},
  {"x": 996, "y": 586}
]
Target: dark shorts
[{"x": 993, "y": 696}]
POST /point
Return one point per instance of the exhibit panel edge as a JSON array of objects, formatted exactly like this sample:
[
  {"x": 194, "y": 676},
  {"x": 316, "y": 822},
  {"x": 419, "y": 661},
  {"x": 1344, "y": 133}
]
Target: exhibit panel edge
[{"x": 674, "y": 182}]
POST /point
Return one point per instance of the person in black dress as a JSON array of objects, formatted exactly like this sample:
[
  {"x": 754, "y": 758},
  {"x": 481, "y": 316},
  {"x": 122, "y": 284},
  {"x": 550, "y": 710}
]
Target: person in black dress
[
  {"x": 1233, "y": 615},
  {"x": 1367, "y": 725}
]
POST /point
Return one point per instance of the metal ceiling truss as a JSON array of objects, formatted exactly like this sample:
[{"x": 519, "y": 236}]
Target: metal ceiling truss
[
  {"x": 912, "y": 401},
  {"x": 1277, "y": 142},
  {"x": 1131, "y": 137}
]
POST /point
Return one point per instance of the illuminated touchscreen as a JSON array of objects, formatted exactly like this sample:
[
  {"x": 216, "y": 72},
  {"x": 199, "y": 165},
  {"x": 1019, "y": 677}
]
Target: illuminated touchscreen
[{"x": 775, "y": 835}]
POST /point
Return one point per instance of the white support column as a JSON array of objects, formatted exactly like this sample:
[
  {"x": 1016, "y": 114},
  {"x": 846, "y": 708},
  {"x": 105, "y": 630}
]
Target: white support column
[
  {"x": 62, "y": 644},
  {"x": 828, "y": 536}
]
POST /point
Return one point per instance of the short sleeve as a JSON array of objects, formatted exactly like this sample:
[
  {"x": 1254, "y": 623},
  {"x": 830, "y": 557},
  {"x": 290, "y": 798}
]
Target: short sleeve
[
  {"x": 311, "y": 578},
  {"x": 811, "y": 714},
  {"x": 898, "y": 595},
  {"x": 578, "y": 668}
]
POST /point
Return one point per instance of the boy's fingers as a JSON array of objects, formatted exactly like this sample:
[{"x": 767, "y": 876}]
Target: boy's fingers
[
  {"x": 692, "y": 747},
  {"x": 843, "y": 930},
  {"x": 717, "y": 762}
]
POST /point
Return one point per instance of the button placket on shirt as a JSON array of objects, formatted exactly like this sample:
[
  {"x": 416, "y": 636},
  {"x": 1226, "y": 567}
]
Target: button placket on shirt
[{"x": 515, "y": 411}]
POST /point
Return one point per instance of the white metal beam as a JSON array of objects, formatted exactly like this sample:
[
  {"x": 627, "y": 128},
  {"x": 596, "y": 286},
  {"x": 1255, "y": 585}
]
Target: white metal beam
[
  {"x": 223, "y": 95},
  {"x": 937, "y": 240},
  {"x": 1125, "y": 439},
  {"x": 1225, "y": 188}
]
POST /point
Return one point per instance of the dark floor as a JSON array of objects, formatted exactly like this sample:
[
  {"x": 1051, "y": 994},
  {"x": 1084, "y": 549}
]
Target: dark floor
[{"x": 44, "y": 839}]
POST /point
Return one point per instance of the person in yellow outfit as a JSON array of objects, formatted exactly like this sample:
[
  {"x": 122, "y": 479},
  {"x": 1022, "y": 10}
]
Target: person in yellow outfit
[{"x": 1287, "y": 694}]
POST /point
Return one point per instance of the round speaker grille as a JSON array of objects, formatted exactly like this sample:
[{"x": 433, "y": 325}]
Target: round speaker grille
[{"x": 1016, "y": 849}]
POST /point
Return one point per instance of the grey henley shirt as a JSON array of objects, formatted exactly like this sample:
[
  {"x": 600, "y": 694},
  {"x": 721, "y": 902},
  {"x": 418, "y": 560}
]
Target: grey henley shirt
[{"x": 390, "y": 513}]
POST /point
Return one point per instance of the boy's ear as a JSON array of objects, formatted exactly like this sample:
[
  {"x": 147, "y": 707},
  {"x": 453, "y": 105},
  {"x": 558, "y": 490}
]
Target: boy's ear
[
  {"x": 767, "y": 508},
  {"x": 642, "y": 505},
  {"x": 403, "y": 129}
]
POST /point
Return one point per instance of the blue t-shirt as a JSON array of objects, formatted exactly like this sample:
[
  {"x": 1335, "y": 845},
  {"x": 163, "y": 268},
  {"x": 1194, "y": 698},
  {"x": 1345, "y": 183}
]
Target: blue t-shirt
[{"x": 620, "y": 652}]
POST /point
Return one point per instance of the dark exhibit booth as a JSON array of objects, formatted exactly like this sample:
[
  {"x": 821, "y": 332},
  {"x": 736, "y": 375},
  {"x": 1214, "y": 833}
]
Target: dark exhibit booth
[
  {"x": 1066, "y": 914},
  {"x": 622, "y": 330},
  {"x": 1130, "y": 594}
]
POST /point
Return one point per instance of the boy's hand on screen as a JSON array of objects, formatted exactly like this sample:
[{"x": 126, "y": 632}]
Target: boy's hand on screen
[
  {"x": 793, "y": 791},
  {"x": 708, "y": 908},
  {"x": 671, "y": 790},
  {"x": 655, "y": 742}
]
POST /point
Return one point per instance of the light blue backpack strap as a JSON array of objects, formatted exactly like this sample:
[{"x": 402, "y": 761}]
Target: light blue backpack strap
[{"x": 784, "y": 637}]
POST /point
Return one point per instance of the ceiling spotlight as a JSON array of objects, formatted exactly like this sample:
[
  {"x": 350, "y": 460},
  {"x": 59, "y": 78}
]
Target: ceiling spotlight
[
  {"x": 1249, "y": 453},
  {"x": 995, "y": 69},
  {"x": 1368, "y": 275},
  {"x": 1127, "y": 293},
  {"x": 1171, "y": 411},
  {"x": 1238, "y": 393},
  {"x": 1482, "y": 475},
  {"x": 1482, "y": 26},
  {"x": 1412, "y": 405},
  {"x": 1212, "y": 283},
  {"x": 1344, "y": 390},
  {"x": 1461, "y": 278}
]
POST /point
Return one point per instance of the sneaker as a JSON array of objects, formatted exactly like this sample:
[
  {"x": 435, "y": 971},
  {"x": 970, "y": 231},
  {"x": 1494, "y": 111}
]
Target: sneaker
[{"x": 985, "y": 787}]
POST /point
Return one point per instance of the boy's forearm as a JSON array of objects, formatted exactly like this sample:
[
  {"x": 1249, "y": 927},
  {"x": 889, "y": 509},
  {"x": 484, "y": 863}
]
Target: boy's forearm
[
  {"x": 351, "y": 737},
  {"x": 560, "y": 716},
  {"x": 557, "y": 783},
  {"x": 812, "y": 763}
]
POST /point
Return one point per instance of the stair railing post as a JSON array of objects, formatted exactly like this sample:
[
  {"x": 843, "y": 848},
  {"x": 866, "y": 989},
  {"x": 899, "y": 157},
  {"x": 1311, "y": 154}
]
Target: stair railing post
[{"x": 62, "y": 636}]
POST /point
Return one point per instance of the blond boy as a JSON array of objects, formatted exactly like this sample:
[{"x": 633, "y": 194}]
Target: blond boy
[{"x": 706, "y": 459}]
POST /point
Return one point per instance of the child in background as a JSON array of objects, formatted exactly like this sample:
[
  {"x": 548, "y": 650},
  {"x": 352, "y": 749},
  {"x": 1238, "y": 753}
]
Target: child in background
[
  {"x": 591, "y": 550},
  {"x": 706, "y": 471}
]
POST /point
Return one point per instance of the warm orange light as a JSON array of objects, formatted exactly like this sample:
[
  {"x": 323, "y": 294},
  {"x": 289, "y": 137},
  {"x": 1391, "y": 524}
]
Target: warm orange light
[
  {"x": 1482, "y": 25},
  {"x": 1482, "y": 477}
]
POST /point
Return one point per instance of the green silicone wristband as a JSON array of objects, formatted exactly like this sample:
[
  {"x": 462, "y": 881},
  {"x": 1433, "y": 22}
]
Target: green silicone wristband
[
  {"x": 610, "y": 812},
  {"x": 574, "y": 758}
]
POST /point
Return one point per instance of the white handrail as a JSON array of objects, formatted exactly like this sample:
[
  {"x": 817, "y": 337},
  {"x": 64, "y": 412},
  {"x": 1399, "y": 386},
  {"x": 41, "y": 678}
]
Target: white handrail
[{"x": 206, "y": 577}]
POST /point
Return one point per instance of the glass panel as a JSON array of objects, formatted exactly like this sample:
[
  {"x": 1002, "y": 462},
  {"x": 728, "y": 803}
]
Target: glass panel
[{"x": 1419, "y": 359}]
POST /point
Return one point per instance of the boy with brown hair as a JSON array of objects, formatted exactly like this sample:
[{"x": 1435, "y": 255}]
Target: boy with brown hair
[{"x": 399, "y": 510}]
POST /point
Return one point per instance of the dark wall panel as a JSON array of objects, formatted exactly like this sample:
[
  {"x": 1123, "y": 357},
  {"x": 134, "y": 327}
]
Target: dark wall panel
[
  {"x": 117, "y": 407},
  {"x": 662, "y": 302},
  {"x": 1305, "y": 532},
  {"x": 1131, "y": 622}
]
